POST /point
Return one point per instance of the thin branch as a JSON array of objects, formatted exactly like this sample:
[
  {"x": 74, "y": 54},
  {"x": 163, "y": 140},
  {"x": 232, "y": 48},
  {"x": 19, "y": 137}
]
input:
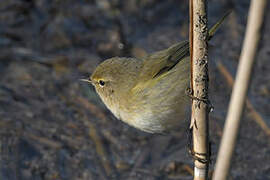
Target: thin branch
[
  {"x": 44, "y": 141},
  {"x": 139, "y": 161},
  {"x": 252, "y": 36},
  {"x": 96, "y": 138}
]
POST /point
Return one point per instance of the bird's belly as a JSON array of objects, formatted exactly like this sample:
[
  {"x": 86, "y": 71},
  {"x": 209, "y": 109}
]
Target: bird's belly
[
  {"x": 157, "y": 122},
  {"x": 161, "y": 107}
]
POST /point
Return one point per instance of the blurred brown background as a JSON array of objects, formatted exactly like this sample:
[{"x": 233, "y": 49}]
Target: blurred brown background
[{"x": 52, "y": 126}]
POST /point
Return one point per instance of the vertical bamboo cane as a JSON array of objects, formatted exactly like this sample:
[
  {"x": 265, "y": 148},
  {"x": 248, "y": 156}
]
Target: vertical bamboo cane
[
  {"x": 199, "y": 119},
  {"x": 255, "y": 20}
]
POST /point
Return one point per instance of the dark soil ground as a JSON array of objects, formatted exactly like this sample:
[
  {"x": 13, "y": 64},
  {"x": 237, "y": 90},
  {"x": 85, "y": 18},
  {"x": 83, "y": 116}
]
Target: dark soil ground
[{"x": 52, "y": 126}]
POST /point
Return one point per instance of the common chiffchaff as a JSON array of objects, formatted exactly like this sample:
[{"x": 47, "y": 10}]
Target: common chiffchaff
[{"x": 148, "y": 93}]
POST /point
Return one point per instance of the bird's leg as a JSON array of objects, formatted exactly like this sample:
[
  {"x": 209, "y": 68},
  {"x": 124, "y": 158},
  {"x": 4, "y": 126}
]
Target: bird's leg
[{"x": 189, "y": 93}]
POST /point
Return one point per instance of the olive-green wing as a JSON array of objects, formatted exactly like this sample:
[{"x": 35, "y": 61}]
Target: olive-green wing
[
  {"x": 159, "y": 63},
  {"x": 162, "y": 61}
]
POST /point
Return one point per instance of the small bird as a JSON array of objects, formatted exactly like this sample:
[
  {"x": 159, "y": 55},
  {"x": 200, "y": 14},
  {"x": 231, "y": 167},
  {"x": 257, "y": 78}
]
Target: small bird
[{"x": 149, "y": 93}]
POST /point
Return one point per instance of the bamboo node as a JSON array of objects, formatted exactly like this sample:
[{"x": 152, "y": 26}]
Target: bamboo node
[{"x": 201, "y": 157}]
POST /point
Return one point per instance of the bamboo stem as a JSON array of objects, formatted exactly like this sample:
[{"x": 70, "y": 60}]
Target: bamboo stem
[
  {"x": 256, "y": 115},
  {"x": 199, "y": 119},
  {"x": 191, "y": 41},
  {"x": 255, "y": 20}
]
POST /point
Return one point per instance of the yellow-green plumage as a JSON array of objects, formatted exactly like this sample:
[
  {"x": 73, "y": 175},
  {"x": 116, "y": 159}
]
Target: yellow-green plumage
[{"x": 148, "y": 94}]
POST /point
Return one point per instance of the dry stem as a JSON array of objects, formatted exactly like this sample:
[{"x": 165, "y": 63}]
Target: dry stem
[
  {"x": 256, "y": 116},
  {"x": 238, "y": 97},
  {"x": 199, "y": 119}
]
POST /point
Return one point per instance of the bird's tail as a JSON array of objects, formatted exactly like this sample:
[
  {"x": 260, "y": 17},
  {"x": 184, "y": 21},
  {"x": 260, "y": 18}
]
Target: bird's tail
[{"x": 214, "y": 28}]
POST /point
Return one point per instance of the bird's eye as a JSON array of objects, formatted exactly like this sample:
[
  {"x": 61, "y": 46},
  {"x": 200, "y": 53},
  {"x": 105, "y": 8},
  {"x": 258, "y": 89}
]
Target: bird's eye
[{"x": 101, "y": 83}]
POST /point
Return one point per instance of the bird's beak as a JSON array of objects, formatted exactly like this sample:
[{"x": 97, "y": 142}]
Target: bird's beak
[{"x": 86, "y": 80}]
